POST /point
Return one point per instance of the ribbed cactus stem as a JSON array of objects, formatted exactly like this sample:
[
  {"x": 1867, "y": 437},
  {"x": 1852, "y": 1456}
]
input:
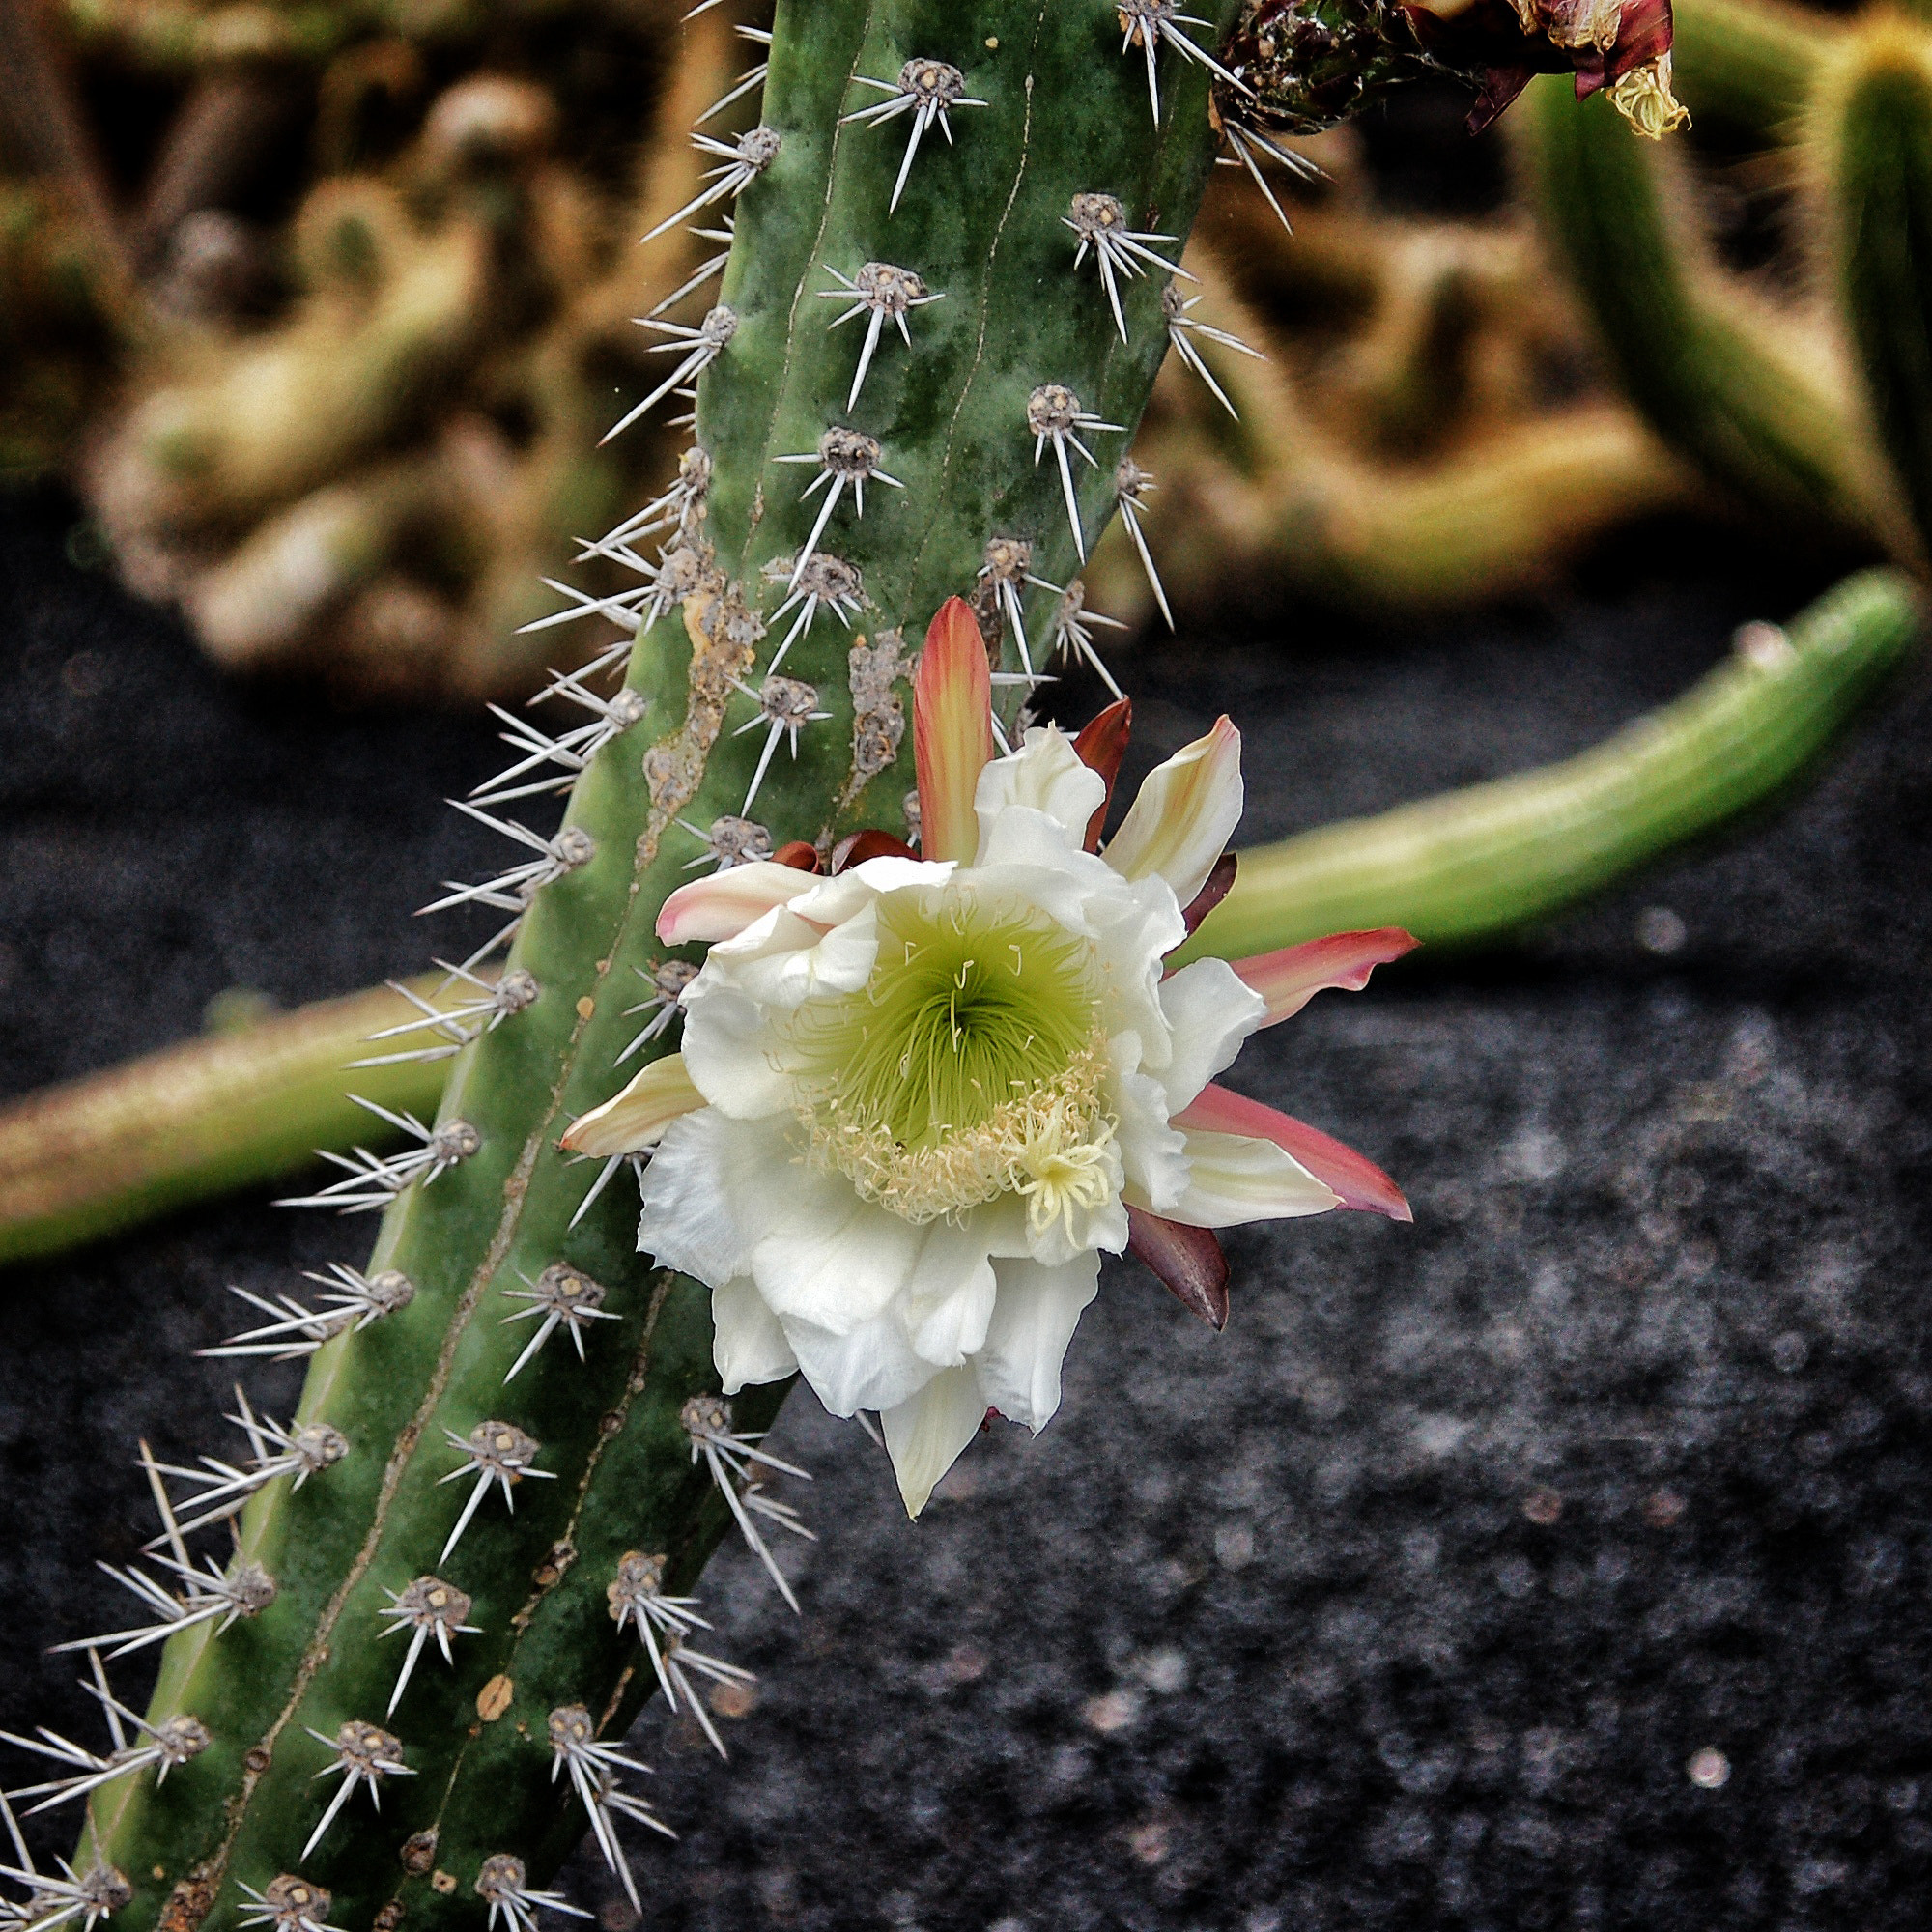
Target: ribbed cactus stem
[
  {"x": 1875, "y": 148},
  {"x": 977, "y": 458}
]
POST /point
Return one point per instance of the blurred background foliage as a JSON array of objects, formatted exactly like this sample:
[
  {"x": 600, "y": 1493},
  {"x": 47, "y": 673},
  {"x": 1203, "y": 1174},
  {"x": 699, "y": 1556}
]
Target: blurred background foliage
[{"x": 323, "y": 306}]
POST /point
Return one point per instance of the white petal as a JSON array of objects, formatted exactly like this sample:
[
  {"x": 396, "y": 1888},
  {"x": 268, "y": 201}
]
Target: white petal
[
  {"x": 832, "y": 1259},
  {"x": 834, "y": 901},
  {"x": 730, "y": 1052},
  {"x": 892, "y": 874},
  {"x": 1001, "y": 1228},
  {"x": 1032, "y": 1323},
  {"x": 1185, "y": 815},
  {"x": 926, "y": 1434},
  {"x": 1154, "y": 1156},
  {"x": 636, "y": 1119},
  {"x": 873, "y": 1366},
  {"x": 1021, "y": 836},
  {"x": 722, "y": 905},
  {"x": 948, "y": 1301},
  {"x": 1134, "y": 927},
  {"x": 709, "y": 1190},
  {"x": 786, "y": 958},
  {"x": 746, "y": 1343},
  {"x": 1234, "y": 1179},
  {"x": 1047, "y": 775},
  {"x": 1211, "y": 1012},
  {"x": 936, "y": 1321}
]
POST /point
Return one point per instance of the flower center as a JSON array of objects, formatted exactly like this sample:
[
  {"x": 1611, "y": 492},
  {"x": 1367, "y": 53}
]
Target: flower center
[{"x": 969, "y": 1065}]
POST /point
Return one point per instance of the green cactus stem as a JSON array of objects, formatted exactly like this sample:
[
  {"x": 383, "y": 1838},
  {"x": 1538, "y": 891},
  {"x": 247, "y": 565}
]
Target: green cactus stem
[
  {"x": 1758, "y": 406},
  {"x": 1468, "y": 865},
  {"x": 229, "y": 1111},
  {"x": 978, "y": 457},
  {"x": 1876, "y": 151},
  {"x": 1738, "y": 740}
]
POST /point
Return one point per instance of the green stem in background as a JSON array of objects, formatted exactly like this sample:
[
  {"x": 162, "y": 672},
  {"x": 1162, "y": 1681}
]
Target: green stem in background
[
  {"x": 1467, "y": 867},
  {"x": 1751, "y": 63},
  {"x": 200, "y": 1120},
  {"x": 1469, "y": 864},
  {"x": 1768, "y": 423},
  {"x": 1876, "y": 152}
]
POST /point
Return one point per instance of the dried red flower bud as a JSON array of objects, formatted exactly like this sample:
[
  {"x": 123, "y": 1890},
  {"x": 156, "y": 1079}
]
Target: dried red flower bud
[{"x": 1310, "y": 68}]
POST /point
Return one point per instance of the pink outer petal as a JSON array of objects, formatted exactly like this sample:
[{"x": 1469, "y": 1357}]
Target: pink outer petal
[
  {"x": 953, "y": 732},
  {"x": 724, "y": 905},
  {"x": 1290, "y": 978},
  {"x": 1356, "y": 1178}
]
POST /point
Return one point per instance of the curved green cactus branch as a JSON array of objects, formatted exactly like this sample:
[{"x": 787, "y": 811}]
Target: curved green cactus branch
[
  {"x": 246, "y": 1105},
  {"x": 1416, "y": 867},
  {"x": 1751, "y": 65},
  {"x": 1470, "y": 864}
]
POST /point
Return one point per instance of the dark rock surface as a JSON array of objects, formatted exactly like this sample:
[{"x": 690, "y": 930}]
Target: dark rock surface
[{"x": 1411, "y": 1600}]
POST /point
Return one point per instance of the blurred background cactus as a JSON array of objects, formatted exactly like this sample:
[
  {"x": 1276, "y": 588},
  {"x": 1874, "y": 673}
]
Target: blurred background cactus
[{"x": 325, "y": 309}]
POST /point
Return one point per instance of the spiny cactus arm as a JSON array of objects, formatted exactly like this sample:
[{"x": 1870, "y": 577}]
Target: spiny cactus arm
[
  {"x": 1767, "y": 422},
  {"x": 1472, "y": 864},
  {"x": 982, "y": 424},
  {"x": 987, "y": 233},
  {"x": 1875, "y": 141}
]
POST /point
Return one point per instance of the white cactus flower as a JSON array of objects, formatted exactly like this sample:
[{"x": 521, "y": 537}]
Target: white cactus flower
[{"x": 918, "y": 1099}]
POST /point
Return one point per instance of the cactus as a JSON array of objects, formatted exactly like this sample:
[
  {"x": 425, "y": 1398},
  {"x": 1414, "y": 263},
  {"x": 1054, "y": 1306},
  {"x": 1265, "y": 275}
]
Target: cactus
[
  {"x": 527, "y": 1510},
  {"x": 1456, "y": 868},
  {"x": 1812, "y": 414},
  {"x": 248, "y": 1105},
  {"x": 1465, "y": 868},
  {"x": 1749, "y": 63},
  {"x": 1759, "y": 406},
  {"x": 466, "y": 1559},
  {"x": 1880, "y": 135}
]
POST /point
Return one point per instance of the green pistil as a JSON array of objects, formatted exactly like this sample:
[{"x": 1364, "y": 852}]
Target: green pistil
[
  {"x": 969, "y": 1007},
  {"x": 970, "y": 1048}
]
